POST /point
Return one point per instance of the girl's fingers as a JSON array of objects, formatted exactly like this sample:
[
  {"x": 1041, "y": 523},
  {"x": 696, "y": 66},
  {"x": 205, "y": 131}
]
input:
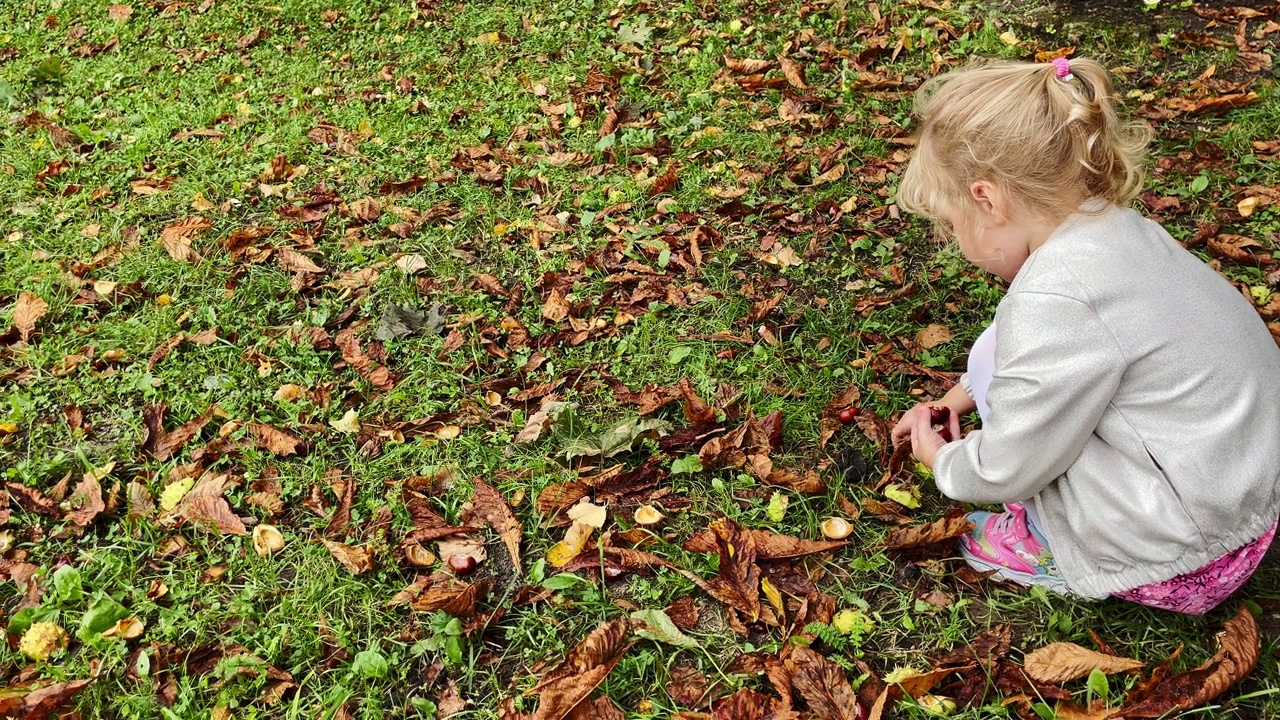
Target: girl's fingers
[{"x": 955, "y": 426}]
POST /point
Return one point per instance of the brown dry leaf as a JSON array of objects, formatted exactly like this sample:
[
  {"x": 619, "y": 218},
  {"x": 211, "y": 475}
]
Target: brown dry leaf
[
  {"x": 769, "y": 546},
  {"x": 177, "y": 238},
  {"x": 823, "y": 685},
  {"x": 794, "y": 72},
  {"x": 747, "y": 704},
  {"x": 1237, "y": 655},
  {"x": 908, "y": 538},
  {"x": 919, "y": 684},
  {"x": 738, "y": 584},
  {"x": 556, "y": 308},
  {"x": 748, "y": 66},
  {"x": 587, "y": 665},
  {"x": 357, "y": 560},
  {"x": 933, "y": 336},
  {"x": 1063, "y": 662},
  {"x": 119, "y": 13},
  {"x": 27, "y": 312},
  {"x": 488, "y": 506},
  {"x": 86, "y": 500},
  {"x": 40, "y": 703},
  {"x": 281, "y": 442},
  {"x": 163, "y": 445},
  {"x": 294, "y": 261},
  {"x": 807, "y": 482}
]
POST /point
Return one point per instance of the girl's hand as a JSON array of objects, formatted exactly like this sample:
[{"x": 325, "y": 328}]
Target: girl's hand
[
  {"x": 925, "y": 441},
  {"x": 902, "y": 430}
]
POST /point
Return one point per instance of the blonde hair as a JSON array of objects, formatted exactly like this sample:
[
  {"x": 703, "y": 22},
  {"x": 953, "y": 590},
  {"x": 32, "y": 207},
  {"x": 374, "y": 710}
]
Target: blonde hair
[{"x": 1043, "y": 140}]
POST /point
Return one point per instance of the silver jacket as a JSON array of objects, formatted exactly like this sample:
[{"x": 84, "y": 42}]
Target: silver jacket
[{"x": 1136, "y": 398}]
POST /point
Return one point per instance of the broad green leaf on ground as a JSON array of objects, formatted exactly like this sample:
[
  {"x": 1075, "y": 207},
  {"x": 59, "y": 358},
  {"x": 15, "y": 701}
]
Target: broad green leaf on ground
[{"x": 657, "y": 625}]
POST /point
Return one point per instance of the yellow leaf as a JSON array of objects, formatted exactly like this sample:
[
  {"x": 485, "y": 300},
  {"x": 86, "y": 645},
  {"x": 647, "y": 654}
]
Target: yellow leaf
[
  {"x": 174, "y": 492},
  {"x": 1008, "y": 38},
  {"x": 1246, "y": 206},
  {"x": 575, "y": 540},
  {"x": 348, "y": 423},
  {"x": 201, "y": 204}
]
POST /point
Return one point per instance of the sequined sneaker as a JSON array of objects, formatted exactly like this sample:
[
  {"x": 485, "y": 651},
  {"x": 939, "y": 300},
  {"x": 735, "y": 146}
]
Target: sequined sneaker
[{"x": 1014, "y": 548}]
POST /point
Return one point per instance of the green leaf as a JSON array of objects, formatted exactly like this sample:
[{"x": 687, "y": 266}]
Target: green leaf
[
  {"x": 143, "y": 665},
  {"x": 1097, "y": 684},
  {"x": 637, "y": 33},
  {"x": 101, "y": 615},
  {"x": 24, "y": 619},
  {"x": 425, "y": 707},
  {"x": 606, "y": 142},
  {"x": 678, "y": 354},
  {"x": 1200, "y": 184},
  {"x": 1044, "y": 711},
  {"x": 371, "y": 664},
  {"x": 617, "y": 438},
  {"x": 688, "y": 464},
  {"x": 660, "y": 628},
  {"x": 66, "y": 583},
  {"x": 778, "y": 506},
  {"x": 906, "y": 496},
  {"x": 563, "y": 581}
]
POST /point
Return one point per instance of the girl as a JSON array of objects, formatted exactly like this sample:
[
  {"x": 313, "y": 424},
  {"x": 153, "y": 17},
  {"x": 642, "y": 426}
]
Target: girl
[{"x": 1129, "y": 396}]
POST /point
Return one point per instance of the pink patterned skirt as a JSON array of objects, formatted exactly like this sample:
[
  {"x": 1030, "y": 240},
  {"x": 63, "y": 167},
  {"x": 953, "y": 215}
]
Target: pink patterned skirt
[{"x": 1199, "y": 591}]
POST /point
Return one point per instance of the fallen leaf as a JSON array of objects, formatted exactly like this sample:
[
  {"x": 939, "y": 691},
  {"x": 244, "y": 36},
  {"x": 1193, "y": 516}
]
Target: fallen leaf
[
  {"x": 177, "y": 238},
  {"x": 488, "y": 506},
  {"x": 769, "y": 546},
  {"x": 586, "y": 666},
  {"x": 27, "y": 312},
  {"x": 823, "y": 686},
  {"x": 40, "y": 703},
  {"x": 349, "y": 423},
  {"x": 540, "y": 421},
  {"x": 1063, "y": 662},
  {"x": 357, "y": 560},
  {"x": 1238, "y": 651},
  {"x": 933, "y": 336},
  {"x": 411, "y": 264},
  {"x": 656, "y": 625},
  {"x": 87, "y": 500},
  {"x": 281, "y": 442},
  {"x": 794, "y": 72},
  {"x": 907, "y": 538},
  {"x": 556, "y": 308},
  {"x": 204, "y": 505}
]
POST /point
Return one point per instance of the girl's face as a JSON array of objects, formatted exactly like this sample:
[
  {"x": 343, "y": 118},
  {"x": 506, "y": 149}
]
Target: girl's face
[{"x": 1000, "y": 248}]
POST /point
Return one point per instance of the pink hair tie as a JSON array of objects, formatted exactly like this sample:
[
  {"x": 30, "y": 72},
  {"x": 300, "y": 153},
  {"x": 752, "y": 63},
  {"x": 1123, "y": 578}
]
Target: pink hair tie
[{"x": 1061, "y": 68}]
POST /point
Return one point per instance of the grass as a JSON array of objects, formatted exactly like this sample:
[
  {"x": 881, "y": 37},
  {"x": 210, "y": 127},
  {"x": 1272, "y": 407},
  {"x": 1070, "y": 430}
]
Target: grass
[{"x": 183, "y": 66}]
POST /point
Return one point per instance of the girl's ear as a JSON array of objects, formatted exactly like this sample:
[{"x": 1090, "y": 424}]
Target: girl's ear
[{"x": 986, "y": 196}]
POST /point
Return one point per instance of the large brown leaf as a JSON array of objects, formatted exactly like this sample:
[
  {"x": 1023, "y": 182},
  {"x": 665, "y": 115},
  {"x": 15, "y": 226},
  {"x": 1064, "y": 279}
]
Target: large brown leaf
[
  {"x": 587, "y": 665},
  {"x": 178, "y": 236},
  {"x": 823, "y": 686},
  {"x": 443, "y": 591},
  {"x": 1062, "y": 662},
  {"x": 357, "y": 560},
  {"x": 27, "y": 312},
  {"x": 163, "y": 445},
  {"x": 40, "y": 703},
  {"x": 738, "y": 584},
  {"x": 281, "y": 442},
  {"x": 86, "y": 501},
  {"x": 769, "y": 546},
  {"x": 747, "y": 704},
  {"x": 488, "y": 506},
  {"x": 910, "y": 538},
  {"x": 1239, "y": 647},
  {"x": 205, "y": 506}
]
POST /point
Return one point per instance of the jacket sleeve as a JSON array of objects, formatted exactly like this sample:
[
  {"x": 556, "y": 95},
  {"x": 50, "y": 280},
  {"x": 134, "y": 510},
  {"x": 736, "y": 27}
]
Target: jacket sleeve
[{"x": 1057, "y": 368}]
